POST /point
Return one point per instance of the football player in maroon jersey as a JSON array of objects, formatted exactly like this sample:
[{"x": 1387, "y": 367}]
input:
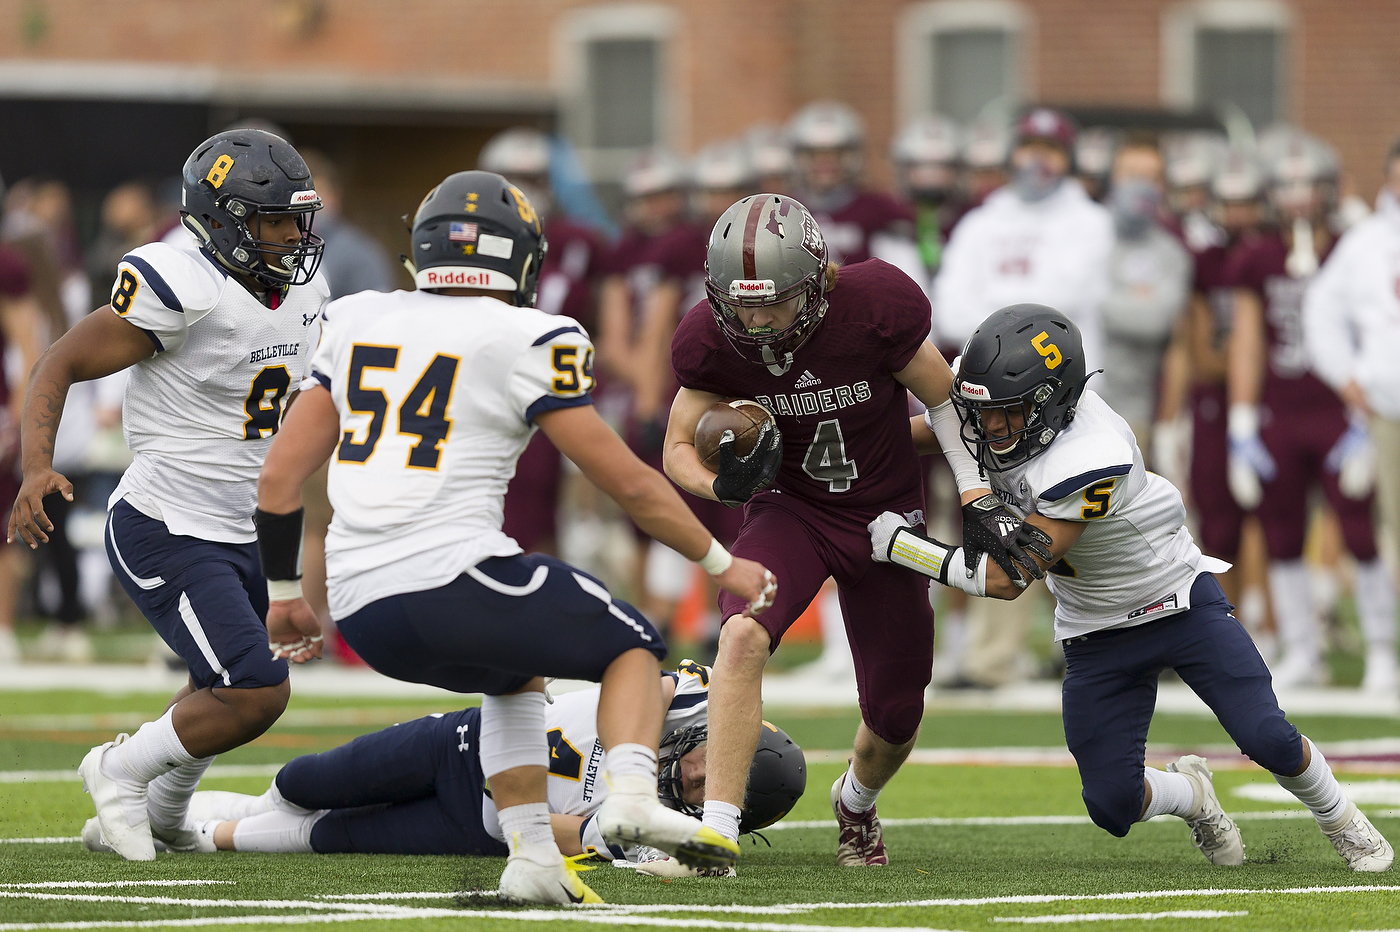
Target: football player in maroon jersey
[
  {"x": 833, "y": 355},
  {"x": 1288, "y": 430}
]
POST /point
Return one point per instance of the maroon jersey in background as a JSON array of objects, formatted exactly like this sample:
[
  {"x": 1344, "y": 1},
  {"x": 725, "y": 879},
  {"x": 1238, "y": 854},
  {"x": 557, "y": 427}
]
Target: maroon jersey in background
[
  {"x": 1289, "y": 385},
  {"x": 571, "y": 270},
  {"x": 844, "y": 418},
  {"x": 847, "y": 230},
  {"x": 15, "y": 282}
]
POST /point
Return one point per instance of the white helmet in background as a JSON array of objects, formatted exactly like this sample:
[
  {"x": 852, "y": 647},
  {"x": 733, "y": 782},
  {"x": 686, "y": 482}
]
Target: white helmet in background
[
  {"x": 926, "y": 154},
  {"x": 654, "y": 171},
  {"x": 517, "y": 151},
  {"x": 723, "y": 166},
  {"x": 826, "y": 124},
  {"x": 1192, "y": 159},
  {"x": 988, "y": 144},
  {"x": 1094, "y": 149},
  {"x": 1238, "y": 177},
  {"x": 769, "y": 151}
]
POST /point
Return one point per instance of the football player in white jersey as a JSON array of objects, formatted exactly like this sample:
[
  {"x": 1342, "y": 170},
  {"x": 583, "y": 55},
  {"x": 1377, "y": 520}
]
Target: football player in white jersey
[
  {"x": 423, "y": 401},
  {"x": 417, "y": 788},
  {"x": 1135, "y": 594},
  {"x": 216, "y": 332}
]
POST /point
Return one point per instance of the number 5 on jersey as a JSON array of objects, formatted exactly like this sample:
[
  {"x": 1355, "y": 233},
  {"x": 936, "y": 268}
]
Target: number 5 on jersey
[{"x": 423, "y": 412}]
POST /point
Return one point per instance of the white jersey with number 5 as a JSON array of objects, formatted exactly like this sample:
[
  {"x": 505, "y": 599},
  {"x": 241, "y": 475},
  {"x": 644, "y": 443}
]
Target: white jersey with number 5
[
  {"x": 200, "y": 412},
  {"x": 1136, "y": 560},
  {"x": 437, "y": 397}
]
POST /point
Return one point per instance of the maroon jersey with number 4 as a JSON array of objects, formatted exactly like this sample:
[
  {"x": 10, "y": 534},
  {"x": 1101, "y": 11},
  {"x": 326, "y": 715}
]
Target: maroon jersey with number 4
[{"x": 844, "y": 417}]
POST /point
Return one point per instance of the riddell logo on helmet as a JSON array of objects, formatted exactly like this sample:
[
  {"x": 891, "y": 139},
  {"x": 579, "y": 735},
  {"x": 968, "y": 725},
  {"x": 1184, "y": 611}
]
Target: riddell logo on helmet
[
  {"x": 468, "y": 277},
  {"x": 745, "y": 288},
  {"x": 969, "y": 390},
  {"x": 303, "y": 197}
]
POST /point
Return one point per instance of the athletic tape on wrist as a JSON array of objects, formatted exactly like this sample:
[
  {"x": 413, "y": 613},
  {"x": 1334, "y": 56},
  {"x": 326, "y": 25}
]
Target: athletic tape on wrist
[
  {"x": 283, "y": 590},
  {"x": 716, "y": 560}
]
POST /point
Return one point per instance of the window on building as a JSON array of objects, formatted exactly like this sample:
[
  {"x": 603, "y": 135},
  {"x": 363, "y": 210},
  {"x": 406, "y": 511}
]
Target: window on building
[
  {"x": 970, "y": 70},
  {"x": 1241, "y": 66},
  {"x": 622, "y": 90},
  {"x": 956, "y": 57}
]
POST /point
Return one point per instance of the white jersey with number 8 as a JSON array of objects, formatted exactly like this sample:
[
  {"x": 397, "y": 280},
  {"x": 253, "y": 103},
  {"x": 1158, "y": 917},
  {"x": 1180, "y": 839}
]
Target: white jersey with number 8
[{"x": 437, "y": 397}]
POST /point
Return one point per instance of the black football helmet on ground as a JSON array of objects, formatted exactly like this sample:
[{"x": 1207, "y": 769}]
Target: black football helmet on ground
[
  {"x": 477, "y": 230},
  {"x": 777, "y": 777},
  {"x": 233, "y": 179},
  {"x": 1027, "y": 362}
]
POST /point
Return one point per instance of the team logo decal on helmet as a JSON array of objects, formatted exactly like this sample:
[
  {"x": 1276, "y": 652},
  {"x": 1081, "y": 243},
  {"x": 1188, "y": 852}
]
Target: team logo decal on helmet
[
  {"x": 234, "y": 181},
  {"x": 766, "y": 250},
  {"x": 777, "y": 776},
  {"x": 1018, "y": 382}
]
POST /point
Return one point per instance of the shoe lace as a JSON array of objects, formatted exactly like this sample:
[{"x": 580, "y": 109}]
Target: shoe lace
[
  {"x": 579, "y": 863},
  {"x": 1211, "y": 831},
  {"x": 863, "y": 832},
  {"x": 1354, "y": 841}
]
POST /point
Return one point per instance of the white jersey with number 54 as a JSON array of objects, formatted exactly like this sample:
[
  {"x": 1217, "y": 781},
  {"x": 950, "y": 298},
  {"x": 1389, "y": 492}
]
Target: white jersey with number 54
[
  {"x": 200, "y": 412},
  {"x": 437, "y": 397}
]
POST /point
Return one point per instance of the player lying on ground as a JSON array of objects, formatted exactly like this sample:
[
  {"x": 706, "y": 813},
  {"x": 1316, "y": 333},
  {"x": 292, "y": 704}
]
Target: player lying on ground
[
  {"x": 423, "y": 583},
  {"x": 216, "y": 332},
  {"x": 1134, "y": 595},
  {"x": 417, "y": 788},
  {"x": 834, "y": 356}
]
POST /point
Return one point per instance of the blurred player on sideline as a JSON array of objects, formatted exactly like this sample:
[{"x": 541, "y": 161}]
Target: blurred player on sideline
[
  {"x": 217, "y": 332},
  {"x": 834, "y": 356},
  {"x": 423, "y": 583},
  {"x": 1134, "y": 594},
  {"x": 1288, "y": 430}
]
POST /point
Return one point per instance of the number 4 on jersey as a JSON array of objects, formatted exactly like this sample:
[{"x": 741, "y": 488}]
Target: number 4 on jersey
[{"x": 826, "y": 460}]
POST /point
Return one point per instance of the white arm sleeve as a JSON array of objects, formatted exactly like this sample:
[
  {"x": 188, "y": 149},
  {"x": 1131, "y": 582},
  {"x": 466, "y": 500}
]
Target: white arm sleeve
[{"x": 947, "y": 427}]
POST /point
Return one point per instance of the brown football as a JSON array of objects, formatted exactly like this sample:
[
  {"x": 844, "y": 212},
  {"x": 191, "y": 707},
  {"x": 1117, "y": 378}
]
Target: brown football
[{"x": 741, "y": 416}]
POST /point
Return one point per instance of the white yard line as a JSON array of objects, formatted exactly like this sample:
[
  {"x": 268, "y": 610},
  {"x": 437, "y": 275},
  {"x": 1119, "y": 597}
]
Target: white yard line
[
  {"x": 53, "y": 840},
  {"x": 96, "y": 884},
  {"x": 1109, "y": 917}
]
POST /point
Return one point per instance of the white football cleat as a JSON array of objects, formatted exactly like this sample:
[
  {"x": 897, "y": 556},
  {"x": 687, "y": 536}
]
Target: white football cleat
[
  {"x": 1358, "y": 842},
  {"x": 121, "y": 807},
  {"x": 669, "y": 868},
  {"x": 632, "y": 815},
  {"x": 1212, "y": 831},
  {"x": 93, "y": 840},
  {"x": 188, "y": 838},
  {"x": 1382, "y": 676},
  {"x": 1298, "y": 670},
  {"x": 539, "y": 874}
]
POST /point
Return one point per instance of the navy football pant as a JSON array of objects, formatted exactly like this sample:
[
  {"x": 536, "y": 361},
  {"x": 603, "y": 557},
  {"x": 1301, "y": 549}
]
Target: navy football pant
[
  {"x": 500, "y": 624},
  {"x": 415, "y": 788},
  {"x": 1110, "y": 691},
  {"x": 206, "y": 599}
]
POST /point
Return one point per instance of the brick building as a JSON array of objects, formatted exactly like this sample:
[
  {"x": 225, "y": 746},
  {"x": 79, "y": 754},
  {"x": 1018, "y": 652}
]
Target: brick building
[{"x": 403, "y": 92}]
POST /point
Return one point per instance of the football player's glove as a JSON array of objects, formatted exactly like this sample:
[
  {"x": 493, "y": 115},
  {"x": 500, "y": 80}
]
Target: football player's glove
[
  {"x": 1352, "y": 460},
  {"x": 989, "y": 528},
  {"x": 741, "y": 477},
  {"x": 1249, "y": 460}
]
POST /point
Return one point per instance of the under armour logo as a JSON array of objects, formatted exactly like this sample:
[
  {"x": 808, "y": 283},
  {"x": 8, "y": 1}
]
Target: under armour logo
[
  {"x": 308, "y": 319},
  {"x": 462, "y": 731}
]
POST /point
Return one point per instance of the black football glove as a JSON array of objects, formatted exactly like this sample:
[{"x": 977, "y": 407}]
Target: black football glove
[
  {"x": 740, "y": 477},
  {"x": 989, "y": 528}
]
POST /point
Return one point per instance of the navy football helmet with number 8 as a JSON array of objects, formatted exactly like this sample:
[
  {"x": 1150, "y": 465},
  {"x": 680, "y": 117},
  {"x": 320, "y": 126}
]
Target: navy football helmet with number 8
[
  {"x": 1024, "y": 365},
  {"x": 232, "y": 180}
]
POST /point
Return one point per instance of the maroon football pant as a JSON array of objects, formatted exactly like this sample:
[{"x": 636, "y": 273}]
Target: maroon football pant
[
  {"x": 1221, "y": 516},
  {"x": 1299, "y": 441},
  {"x": 886, "y": 608},
  {"x": 532, "y": 498}
]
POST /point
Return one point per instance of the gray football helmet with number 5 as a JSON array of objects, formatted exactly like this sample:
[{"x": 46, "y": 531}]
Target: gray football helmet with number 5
[
  {"x": 766, "y": 249},
  {"x": 1021, "y": 375}
]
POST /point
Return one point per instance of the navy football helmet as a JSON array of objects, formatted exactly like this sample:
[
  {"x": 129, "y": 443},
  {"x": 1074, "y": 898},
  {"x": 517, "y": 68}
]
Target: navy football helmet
[
  {"x": 777, "y": 777},
  {"x": 233, "y": 179}
]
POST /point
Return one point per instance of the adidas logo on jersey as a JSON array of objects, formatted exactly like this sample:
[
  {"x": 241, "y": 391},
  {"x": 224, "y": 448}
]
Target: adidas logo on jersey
[{"x": 807, "y": 380}]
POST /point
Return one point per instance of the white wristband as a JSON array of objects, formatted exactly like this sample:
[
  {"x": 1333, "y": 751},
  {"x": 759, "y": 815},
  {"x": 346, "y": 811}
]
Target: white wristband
[
  {"x": 716, "y": 560},
  {"x": 957, "y": 576},
  {"x": 283, "y": 590}
]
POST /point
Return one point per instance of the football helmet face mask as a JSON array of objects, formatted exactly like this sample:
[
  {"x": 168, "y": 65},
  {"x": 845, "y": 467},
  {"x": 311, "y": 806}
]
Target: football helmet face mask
[
  {"x": 234, "y": 181},
  {"x": 1018, "y": 382},
  {"x": 477, "y": 230},
  {"x": 766, "y": 250},
  {"x": 777, "y": 777}
]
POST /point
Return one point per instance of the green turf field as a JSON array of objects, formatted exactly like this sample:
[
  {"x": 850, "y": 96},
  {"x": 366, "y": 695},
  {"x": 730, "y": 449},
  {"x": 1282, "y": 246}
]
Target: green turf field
[{"x": 950, "y": 868}]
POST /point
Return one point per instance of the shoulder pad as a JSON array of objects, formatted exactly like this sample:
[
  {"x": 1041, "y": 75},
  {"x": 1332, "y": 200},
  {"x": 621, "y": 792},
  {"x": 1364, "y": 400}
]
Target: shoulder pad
[
  {"x": 1075, "y": 462},
  {"x": 182, "y": 278}
]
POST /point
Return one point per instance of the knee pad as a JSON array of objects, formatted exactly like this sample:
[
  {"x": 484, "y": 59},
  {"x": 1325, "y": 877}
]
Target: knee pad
[{"x": 1113, "y": 806}]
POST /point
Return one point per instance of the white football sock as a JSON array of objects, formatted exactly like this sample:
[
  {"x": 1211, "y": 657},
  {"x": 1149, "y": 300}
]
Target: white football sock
[
  {"x": 1172, "y": 794},
  {"x": 723, "y": 818},
  {"x": 1317, "y": 788},
  {"x": 631, "y": 760},
  {"x": 528, "y": 824},
  {"x": 855, "y": 796},
  {"x": 512, "y": 733},
  {"x": 1375, "y": 604},
  {"x": 276, "y": 832},
  {"x": 154, "y": 749},
  {"x": 168, "y": 795},
  {"x": 1299, "y": 628}
]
